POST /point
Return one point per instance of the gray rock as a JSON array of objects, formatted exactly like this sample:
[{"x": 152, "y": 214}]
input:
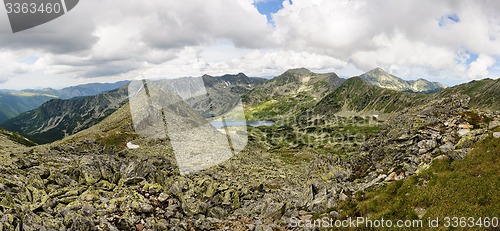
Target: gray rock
[
  {"x": 217, "y": 212},
  {"x": 463, "y": 132},
  {"x": 448, "y": 147},
  {"x": 441, "y": 157},
  {"x": 426, "y": 145},
  {"x": 494, "y": 124},
  {"x": 162, "y": 197},
  {"x": 391, "y": 177},
  {"x": 334, "y": 214},
  {"x": 496, "y": 134}
]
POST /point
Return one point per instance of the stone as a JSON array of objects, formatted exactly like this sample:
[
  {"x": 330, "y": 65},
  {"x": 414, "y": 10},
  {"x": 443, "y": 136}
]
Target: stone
[
  {"x": 441, "y": 157},
  {"x": 88, "y": 210},
  {"x": 162, "y": 224},
  {"x": 463, "y": 132},
  {"x": 465, "y": 126},
  {"x": 426, "y": 145},
  {"x": 217, "y": 212},
  {"x": 401, "y": 176},
  {"x": 193, "y": 207},
  {"x": 334, "y": 214},
  {"x": 420, "y": 212},
  {"x": 391, "y": 177},
  {"x": 494, "y": 124},
  {"x": 447, "y": 147},
  {"x": 496, "y": 134},
  {"x": 162, "y": 197},
  {"x": 141, "y": 207},
  {"x": 133, "y": 180}
]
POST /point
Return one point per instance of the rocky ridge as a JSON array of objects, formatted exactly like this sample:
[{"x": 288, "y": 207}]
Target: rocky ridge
[{"x": 378, "y": 77}]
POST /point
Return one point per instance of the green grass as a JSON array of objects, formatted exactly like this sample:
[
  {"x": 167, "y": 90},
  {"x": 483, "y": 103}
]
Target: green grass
[
  {"x": 294, "y": 158},
  {"x": 462, "y": 188},
  {"x": 475, "y": 119},
  {"x": 116, "y": 140},
  {"x": 282, "y": 107}
]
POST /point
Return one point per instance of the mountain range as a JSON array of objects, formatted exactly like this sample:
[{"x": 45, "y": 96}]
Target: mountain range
[
  {"x": 295, "y": 92},
  {"x": 433, "y": 154},
  {"x": 380, "y": 78},
  {"x": 13, "y": 103},
  {"x": 58, "y": 118},
  {"x": 61, "y": 117}
]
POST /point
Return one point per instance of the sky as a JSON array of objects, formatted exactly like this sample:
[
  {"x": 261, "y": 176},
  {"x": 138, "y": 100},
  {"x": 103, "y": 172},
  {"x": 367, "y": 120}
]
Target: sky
[{"x": 449, "y": 41}]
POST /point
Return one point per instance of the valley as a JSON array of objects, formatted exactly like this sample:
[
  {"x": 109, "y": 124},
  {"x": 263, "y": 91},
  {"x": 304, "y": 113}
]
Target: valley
[
  {"x": 371, "y": 146},
  {"x": 13, "y": 103}
]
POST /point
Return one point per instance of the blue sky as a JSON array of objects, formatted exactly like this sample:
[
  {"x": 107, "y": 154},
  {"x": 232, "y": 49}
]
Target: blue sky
[{"x": 268, "y": 7}]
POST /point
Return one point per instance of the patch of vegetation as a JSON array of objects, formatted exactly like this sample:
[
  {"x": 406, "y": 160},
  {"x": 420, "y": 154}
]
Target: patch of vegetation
[
  {"x": 475, "y": 119},
  {"x": 276, "y": 109},
  {"x": 462, "y": 188},
  {"x": 294, "y": 158}
]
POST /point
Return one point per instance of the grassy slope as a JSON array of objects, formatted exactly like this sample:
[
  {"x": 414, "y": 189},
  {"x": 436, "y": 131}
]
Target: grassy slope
[
  {"x": 484, "y": 93},
  {"x": 288, "y": 94},
  {"x": 356, "y": 95},
  {"x": 462, "y": 188}
]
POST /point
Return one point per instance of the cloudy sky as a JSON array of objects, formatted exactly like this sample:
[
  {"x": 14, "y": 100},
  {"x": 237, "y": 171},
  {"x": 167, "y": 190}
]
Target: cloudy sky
[{"x": 104, "y": 41}]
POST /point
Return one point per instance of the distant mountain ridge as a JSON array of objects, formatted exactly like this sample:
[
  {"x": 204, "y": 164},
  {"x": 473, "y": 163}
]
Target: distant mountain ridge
[
  {"x": 58, "y": 118},
  {"x": 380, "y": 78},
  {"x": 292, "y": 93},
  {"x": 13, "y": 103},
  {"x": 79, "y": 90},
  {"x": 61, "y": 117}
]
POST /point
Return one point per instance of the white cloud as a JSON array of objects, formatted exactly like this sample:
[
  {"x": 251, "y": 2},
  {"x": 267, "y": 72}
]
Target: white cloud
[
  {"x": 108, "y": 40},
  {"x": 11, "y": 65},
  {"x": 403, "y": 34},
  {"x": 479, "y": 68}
]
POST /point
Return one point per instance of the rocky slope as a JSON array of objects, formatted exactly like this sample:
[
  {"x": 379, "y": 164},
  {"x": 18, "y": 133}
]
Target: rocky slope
[
  {"x": 378, "y": 77},
  {"x": 355, "y": 95},
  {"x": 292, "y": 83},
  {"x": 90, "y": 181},
  {"x": 483, "y": 93},
  {"x": 288, "y": 94},
  {"x": 10, "y": 141},
  {"x": 306, "y": 168}
]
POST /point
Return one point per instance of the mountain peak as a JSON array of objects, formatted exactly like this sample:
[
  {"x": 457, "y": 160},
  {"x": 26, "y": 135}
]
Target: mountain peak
[
  {"x": 381, "y": 78},
  {"x": 378, "y": 70},
  {"x": 298, "y": 71}
]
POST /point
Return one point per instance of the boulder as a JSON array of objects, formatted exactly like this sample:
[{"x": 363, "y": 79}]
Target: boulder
[
  {"x": 463, "y": 132},
  {"x": 494, "y": 124}
]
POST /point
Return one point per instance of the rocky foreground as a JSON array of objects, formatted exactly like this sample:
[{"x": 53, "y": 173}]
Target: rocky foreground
[{"x": 83, "y": 184}]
